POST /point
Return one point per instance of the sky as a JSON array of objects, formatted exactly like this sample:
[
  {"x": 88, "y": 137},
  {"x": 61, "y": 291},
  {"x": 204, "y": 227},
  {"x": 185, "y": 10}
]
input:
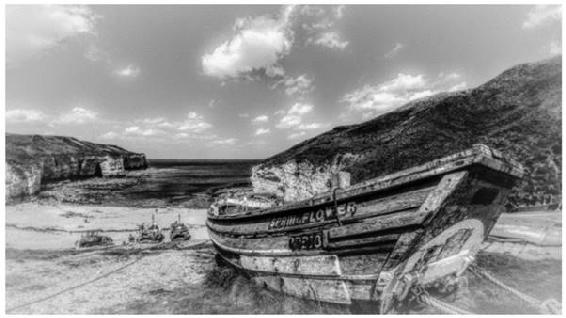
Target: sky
[{"x": 247, "y": 81}]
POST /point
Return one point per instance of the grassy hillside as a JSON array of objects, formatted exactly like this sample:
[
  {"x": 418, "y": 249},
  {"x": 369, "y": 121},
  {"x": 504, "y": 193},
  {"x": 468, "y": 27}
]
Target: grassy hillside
[
  {"x": 31, "y": 147},
  {"x": 518, "y": 112}
]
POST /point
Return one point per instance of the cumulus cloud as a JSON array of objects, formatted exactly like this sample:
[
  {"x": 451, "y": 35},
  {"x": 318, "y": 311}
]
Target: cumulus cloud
[
  {"x": 293, "y": 118},
  {"x": 299, "y": 86},
  {"x": 34, "y": 29},
  {"x": 339, "y": 11},
  {"x": 541, "y": 15},
  {"x": 77, "y": 116},
  {"x": 319, "y": 24},
  {"x": 261, "y": 119},
  {"x": 262, "y": 131},
  {"x": 193, "y": 126},
  {"x": 128, "y": 71},
  {"x": 393, "y": 52},
  {"x": 194, "y": 122},
  {"x": 111, "y": 135},
  {"x": 331, "y": 40},
  {"x": 24, "y": 116},
  {"x": 222, "y": 142},
  {"x": 145, "y": 132},
  {"x": 257, "y": 45},
  {"x": 382, "y": 97}
]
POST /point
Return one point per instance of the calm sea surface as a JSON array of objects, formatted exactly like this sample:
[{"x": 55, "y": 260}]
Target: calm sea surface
[{"x": 177, "y": 180}]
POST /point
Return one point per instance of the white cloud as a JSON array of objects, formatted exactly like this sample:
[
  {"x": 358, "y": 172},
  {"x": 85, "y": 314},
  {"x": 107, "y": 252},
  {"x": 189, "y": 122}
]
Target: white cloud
[
  {"x": 331, "y": 40},
  {"x": 555, "y": 48},
  {"x": 95, "y": 54},
  {"x": 301, "y": 85},
  {"x": 229, "y": 141},
  {"x": 319, "y": 25},
  {"x": 243, "y": 115},
  {"x": 34, "y": 29},
  {"x": 261, "y": 119},
  {"x": 296, "y": 135},
  {"x": 181, "y": 135},
  {"x": 109, "y": 135},
  {"x": 310, "y": 126},
  {"x": 76, "y": 116},
  {"x": 393, "y": 52},
  {"x": 300, "y": 108},
  {"x": 293, "y": 118},
  {"x": 194, "y": 122},
  {"x": 257, "y": 45},
  {"x": 24, "y": 116},
  {"x": 262, "y": 131},
  {"x": 144, "y": 132},
  {"x": 129, "y": 71},
  {"x": 382, "y": 97},
  {"x": 541, "y": 15},
  {"x": 260, "y": 43},
  {"x": 339, "y": 11}
]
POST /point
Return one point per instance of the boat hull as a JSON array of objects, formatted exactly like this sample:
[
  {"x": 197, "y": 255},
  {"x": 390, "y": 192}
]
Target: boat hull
[{"x": 356, "y": 244}]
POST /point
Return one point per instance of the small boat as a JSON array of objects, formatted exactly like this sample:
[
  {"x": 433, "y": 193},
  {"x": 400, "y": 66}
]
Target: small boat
[
  {"x": 376, "y": 241},
  {"x": 93, "y": 238},
  {"x": 151, "y": 233},
  {"x": 179, "y": 231}
]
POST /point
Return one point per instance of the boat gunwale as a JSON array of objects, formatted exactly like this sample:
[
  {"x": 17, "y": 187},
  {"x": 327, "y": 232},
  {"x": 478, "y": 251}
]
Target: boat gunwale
[{"x": 477, "y": 155}]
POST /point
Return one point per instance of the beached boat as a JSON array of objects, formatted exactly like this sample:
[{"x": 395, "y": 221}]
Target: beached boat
[{"x": 377, "y": 240}]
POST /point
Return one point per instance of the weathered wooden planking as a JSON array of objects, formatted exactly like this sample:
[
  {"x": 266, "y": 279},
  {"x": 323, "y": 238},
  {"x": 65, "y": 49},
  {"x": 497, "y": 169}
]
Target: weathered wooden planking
[
  {"x": 334, "y": 291},
  {"x": 300, "y": 265},
  {"x": 479, "y": 154},
  {"x": 401, "y": 248},
  {"x": 396, "y": 202},
  {"x": 362, "y": 264},
  {"x": 432, "y": 205},
  {"x": 280, "y": 245},
  {"x": 374, "y": 240},
  {"x": 379, "y": 223},
  {"x": 389, "y": 204},
  {"x": 445, "y": 188},
  {"x": 248, "y": 246}
]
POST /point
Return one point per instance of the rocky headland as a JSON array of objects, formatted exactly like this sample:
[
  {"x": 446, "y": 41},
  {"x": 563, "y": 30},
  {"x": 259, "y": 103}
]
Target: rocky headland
[
  {"x": 517, "y": 112},
  {"x": 33, "y": 160}
]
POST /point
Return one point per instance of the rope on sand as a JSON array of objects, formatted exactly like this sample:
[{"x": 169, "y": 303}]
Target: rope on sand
[
  {"x": 77, "y": 286},
  {"x": 549, "y": 306},
  {"x": 444, "y": 307}
]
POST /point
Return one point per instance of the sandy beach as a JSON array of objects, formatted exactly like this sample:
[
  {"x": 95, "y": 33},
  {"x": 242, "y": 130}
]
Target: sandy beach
[{"x": 46, "y": 274}]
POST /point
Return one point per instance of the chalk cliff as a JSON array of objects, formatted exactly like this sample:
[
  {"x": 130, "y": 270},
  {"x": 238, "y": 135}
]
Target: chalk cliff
[
  {"x": 34, "y": 159},
  {"x": 517, "y": 112}
]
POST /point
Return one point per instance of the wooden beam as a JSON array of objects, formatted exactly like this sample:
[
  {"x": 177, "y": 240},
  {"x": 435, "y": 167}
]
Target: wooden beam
[{"x": 379, "y": 223}]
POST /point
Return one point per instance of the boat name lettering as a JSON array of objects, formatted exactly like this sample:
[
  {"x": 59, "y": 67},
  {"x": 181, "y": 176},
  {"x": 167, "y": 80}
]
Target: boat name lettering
[{"x": 317, "y": 216}]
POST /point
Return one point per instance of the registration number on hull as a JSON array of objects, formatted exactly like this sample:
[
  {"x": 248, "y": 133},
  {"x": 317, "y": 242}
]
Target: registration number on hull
[{"x": 306, "y": 242}]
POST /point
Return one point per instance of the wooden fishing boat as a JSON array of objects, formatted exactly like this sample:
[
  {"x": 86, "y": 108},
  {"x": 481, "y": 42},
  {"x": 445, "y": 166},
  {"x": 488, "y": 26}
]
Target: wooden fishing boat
[{"x": 376, "y": 240}]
